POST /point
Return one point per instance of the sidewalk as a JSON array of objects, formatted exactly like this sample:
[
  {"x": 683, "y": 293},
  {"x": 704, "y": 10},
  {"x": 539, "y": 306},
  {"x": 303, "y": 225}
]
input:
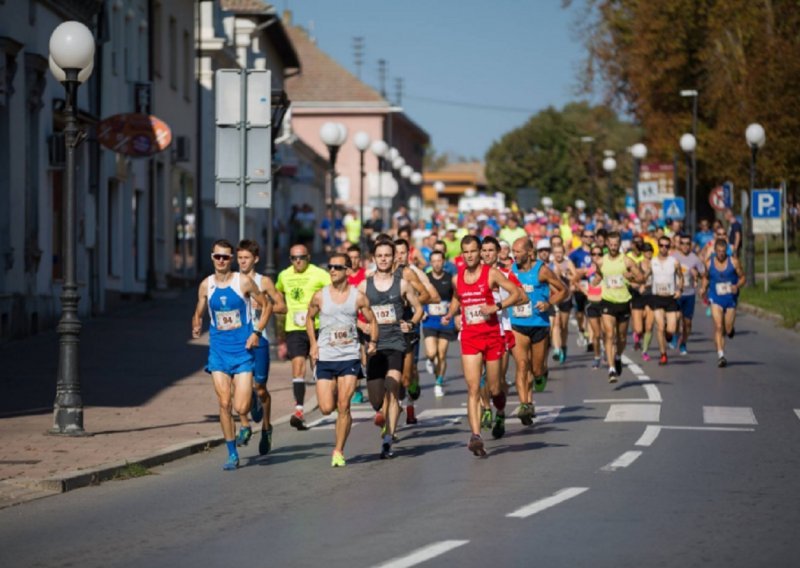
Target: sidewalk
[{"x": 146, "y": 400}]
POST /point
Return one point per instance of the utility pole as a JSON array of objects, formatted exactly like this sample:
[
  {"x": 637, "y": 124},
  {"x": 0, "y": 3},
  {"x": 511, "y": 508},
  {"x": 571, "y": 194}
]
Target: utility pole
[
  {"x": 358, "y": 54},
  {"x": 382, "y": 76}
]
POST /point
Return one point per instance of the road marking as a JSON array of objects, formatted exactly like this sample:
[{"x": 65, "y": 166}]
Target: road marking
[
  {"x": 440, "y": 412},
  {"x": 329, "y": 422},
  {"x": 797, "y": 411},
  {"x": 547, "y": 414},
  {"x": 634, "y": 413},
  {"x": 624, "y": 460},
  {"x": 708, "y": 428},
  {"x": 423, "y": 554},
  {"x": 547, "y": 502},
  {"x": 634, "y": 368},
  {"x": 728, "y": 415},
  {"x": 613, "y": 400},
  {"x": 653, "y": 394},
  {"x": 649, "y": 436}
]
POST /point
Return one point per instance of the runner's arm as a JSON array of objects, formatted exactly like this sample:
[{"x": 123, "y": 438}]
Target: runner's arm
[
  {"x": 313, "y": 310},
  {"x": 199, "y": 310},
  {"x": 558, "y": 292},
  {"x": 679, "y": 280},
  {"x": 275, "y": 297},
  {"x": 249, "y": 287},
  {"x": 362, "y": 303},
  {"x": 433, "y": 294},
  {"x": 737, "y": 266},
  {"x": 634, "y": 273},
  {"x": 498, "y": 279},
  {"x": 410, "y": 294}
]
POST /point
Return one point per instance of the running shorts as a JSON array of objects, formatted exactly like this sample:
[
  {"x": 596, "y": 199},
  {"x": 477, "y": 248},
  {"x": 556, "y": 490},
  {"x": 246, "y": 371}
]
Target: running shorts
[
  {"x": 230, "y": 364},
  {"x": 580, "y": 301},
  {"x": 379, "y": 364},
  {"x": 621, "y": 312},
  {"x": 594, "y": 310},
  {"x": 328, "y": 370},
  {"x": 666, "y": 303},
  {"x": 490, "y": 345},
  {"x": 535, "y": 333},
  {"x": 297, "y": 344},
  {"x": 686, "y": 304},
  {"x": 261, "y": 364},
  {"x": 448, "y": 334}
]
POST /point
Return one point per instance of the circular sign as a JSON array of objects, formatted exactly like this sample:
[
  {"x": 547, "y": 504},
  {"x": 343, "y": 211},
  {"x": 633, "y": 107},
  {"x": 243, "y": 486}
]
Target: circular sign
[
  {"x": 716, "y": 198},
  {"x": 135, "y": 135}
]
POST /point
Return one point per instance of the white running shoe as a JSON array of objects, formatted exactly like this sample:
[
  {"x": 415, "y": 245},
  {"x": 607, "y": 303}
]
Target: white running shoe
[
  {"x": 438, "y": 391},
  {"x": 429, "y": 366}
]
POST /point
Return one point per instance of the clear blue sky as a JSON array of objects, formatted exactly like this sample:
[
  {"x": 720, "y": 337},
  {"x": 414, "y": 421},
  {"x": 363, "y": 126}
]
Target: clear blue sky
[{"x": 521, "y": 54}]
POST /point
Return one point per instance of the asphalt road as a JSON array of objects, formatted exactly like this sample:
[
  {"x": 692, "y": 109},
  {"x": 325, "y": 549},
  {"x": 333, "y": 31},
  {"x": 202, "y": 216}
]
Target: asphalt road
[{"x": 684, "y": 465}]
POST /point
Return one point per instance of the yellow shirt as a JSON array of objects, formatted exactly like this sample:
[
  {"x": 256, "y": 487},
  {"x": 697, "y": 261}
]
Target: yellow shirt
[{"x": 299, "y": 288}]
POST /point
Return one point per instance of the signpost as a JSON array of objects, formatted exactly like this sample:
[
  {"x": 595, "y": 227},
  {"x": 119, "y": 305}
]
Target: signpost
[
  {"x": 716, "y": 198},
  {"x": 243, "y": 140},
  {"x": 767, "y": 210},
  {"x": 674, "y": 208},
  {"x": 656, "y": 183}
]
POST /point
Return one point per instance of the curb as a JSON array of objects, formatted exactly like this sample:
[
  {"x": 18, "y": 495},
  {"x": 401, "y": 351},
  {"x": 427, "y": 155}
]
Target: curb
[
  {"x": 86, "y": 477},
  {"x": 767, "y": 315}
]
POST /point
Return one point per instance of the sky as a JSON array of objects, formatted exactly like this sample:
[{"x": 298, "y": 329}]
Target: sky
[{"x": 504, "y": 60}]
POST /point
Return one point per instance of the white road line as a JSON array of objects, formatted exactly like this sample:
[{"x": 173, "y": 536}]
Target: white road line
[
  {"x": 613, "y": 400},
  {"x": 708, "y": 428},
  {"x": 653, "y": 394},
  {"x": 624, "y": 460},
  {"x": 423, "y": 554},
  {"x": 649, "y": 436},
  {"x": 797, "y": 411},
  {"x": 635, "y": 369},
  {"x": 634, "y": 413},
  {"x": 547, "y": 502},
  {"x": 329, "y": 422},
  {"x": 441, "y": 412},
  {"x": 728, "y": 415},
  {"x": 644, "y": 377}
]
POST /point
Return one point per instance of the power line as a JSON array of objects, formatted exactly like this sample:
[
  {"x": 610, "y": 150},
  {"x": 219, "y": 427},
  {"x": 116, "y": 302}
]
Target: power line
[{"x": 465, "y": 104}]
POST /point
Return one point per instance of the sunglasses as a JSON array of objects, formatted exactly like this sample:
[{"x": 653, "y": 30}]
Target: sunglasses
[
  {"x": 337, "y": 267},
  {"x": 219, "y": 256},
  {"x": 298, "y": 257},
  {"x": 588, "y": 236},
  {"x": 686, "y": 243},
  {"x": 597, "y": 254}
]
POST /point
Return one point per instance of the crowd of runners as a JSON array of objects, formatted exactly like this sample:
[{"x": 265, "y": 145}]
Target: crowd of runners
[{"x": 502, "y": 285}]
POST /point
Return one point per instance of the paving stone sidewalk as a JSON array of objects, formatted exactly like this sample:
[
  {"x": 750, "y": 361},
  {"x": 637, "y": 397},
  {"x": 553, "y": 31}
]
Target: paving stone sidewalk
[{"x": 146, "y": 400}]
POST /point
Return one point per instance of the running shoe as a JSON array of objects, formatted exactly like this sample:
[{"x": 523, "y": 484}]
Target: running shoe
[
  {"x": 256, "y": 408},
  {"x": 297, "y": 421},
  {"x": 243, "y": 438},
  {"x": 499, "y": 429},
  {"x": 414, "y": 391},
  {"x": 562, "y": 356},
  {"x": 612, "y": 375},
  {"x": 525, "y": 414},
  {"x": 590, "y": 347},
  {"x": 595, "y": 363},
  {"x": 486, "y": 419},
  {"x": 358, "y": 397},
  {"x": 265, "y": 443},
  {"x": 540, "y": 383},
  {"x": 723, "y": 362},
  {"x": 556, "y": 354},
  {"x": 732, "y": 333},
  {"x": 380, "y": 419},
  {"x": 663, "y": 359},
  {"x": 410, "y": 417},
  {"x": 637, "y": 345},
  {"x": 438, "y": 388},
  {"x": 637, "y": 340},
  {"x": 618, "y": 365},
  {"x": 429, "y": 366},
  {"x": 476, "y": 446},
  {"x": 386, "y": 451},
  {"x": 683, "y": 350},
  {"x": 232, "y": 463},
  {"x": 645, "y": 356},
  {"x": 337, "y": 460}
]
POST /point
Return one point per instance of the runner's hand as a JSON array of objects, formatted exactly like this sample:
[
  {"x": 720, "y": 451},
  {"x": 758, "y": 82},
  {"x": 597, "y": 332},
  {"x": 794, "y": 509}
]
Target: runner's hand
[
  {"x": 252, "y": 341},
  {"x": 283, "y": 350},
  {"x": 372, "y": 347},
  {"x": 488, "y": 309},
  {"x": 195, "y": 331},
  {"x": 446, "y": 319},
  {"x": 405, "y": 326},
  {"x": 314, "y": 354}
]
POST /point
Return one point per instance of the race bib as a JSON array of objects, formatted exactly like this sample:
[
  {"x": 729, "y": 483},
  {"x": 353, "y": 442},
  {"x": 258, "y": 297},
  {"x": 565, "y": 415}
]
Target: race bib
[
  {"x": 439, "y": 309},
  {"x": 344, "y": 335},
  {"x": 723, "y": 289},
  {"x": 228, "y": 320},
  {"x": 524, "y": 311},
  {"x": 615, "y": 281},
  {"x": 664, "y": 288},
  {"x": 299, "y": 319},
  {"x": 385, "y": 314},
  {"x": 473, "y": 315}
]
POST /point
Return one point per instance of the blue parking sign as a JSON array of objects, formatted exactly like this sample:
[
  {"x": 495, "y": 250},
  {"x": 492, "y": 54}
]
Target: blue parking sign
[
  {"x": 766, "y": 204},
  {"x": 727, "y": 194}
]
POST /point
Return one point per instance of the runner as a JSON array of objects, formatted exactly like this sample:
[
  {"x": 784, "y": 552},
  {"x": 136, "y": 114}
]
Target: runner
[
  {"x": 356, "y": 276},
  {"x": 437, "y": 335},
  {"x": 232, "y": 338},
  {"x": 480, "y": 332},
  {"x": 644, "y": 299},
  {"x": 298, "y": 283},
  {"x": 386, "y": 294},
  {"x": 337, "y": 354},
  {"x": 563, "y": 268},
  {"x": 581, "y": 258},
  {"x": 667, "y": 288},
  {"x": 594, "y": 296},
  {"x": 721, "y": 282},
  {"x": 615, "y": 270},
  {"x": 530, "y": 322},
  {"x": 693, "y": 269},
  {"x": 261, "y": 409}
]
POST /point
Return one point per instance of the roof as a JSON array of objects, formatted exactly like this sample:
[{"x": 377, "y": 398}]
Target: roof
[
  {"x": 247, "y": 6},
  {"x": 323, "y": 80},
  {"x": 273, "y": 27}
]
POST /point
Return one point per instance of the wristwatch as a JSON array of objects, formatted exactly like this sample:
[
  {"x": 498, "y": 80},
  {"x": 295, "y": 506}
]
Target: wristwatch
[{"x": 499, "y": 306}]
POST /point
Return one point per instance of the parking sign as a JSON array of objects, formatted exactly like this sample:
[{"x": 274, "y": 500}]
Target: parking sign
[{"x": 766, "y": 211}]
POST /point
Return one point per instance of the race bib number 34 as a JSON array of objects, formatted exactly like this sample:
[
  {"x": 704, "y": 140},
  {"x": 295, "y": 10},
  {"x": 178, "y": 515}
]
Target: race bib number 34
[
  {"x": 228, "y": 320},
  {"x": 385, "y": 314},
  {"x": 473, "y": 315}
]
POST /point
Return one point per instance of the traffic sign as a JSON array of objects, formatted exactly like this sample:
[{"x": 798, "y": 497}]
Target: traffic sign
[
  {"x": 727, "y": 194},
  {"x": 716, "y": 198},
  {"x": 674, "y": 208},
  {"x": 766, "y": 211}
]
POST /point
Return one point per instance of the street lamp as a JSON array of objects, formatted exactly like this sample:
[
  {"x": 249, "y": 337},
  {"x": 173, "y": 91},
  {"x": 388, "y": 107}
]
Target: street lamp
[
  {"x": 691, "y": 196},
  {"x": 361, "y": 140},
  {"x": 756, "y": 137},
  {"x": 688, "y": 144},
  {"x": 639, "y": 153},
  {"x": 333, "y": 135},
  {"x": 609, "y": 165},
  {"x": 71, "y": 61},
  {"x": 380, "y": 149}
]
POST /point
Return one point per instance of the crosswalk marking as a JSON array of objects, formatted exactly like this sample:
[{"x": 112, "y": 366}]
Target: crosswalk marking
[
  {"x": 797, "y": 411},
  {"x": 634, "y": 413},
  {"x": 728, "y": 415},
  {"x": 329, "y": 422}
]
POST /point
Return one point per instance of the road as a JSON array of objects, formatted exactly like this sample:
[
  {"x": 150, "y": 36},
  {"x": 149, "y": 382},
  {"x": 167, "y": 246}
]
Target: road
[{"x": 684, "y": 465}]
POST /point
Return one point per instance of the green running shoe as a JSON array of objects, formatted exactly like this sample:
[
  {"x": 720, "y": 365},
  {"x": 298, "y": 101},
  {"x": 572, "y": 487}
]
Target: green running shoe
[
  {"x": 486, "y": 419},
  {"x": 338, "y": 460},
  {"x": 499, "y": 429},
  {"x": 265, "y": 443},
  {"x": 358, "y": 398},
  {"x": 243, "y": 438},
  {"x": 540, "y": 383}
]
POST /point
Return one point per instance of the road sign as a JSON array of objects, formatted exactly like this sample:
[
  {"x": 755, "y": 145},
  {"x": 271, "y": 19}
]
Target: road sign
[
  {"x": 727, "y": 194},
  {"x": 674, "y": 208},
  {"x": 766, "y": 211},
  {"x": 717, "y": 198}
]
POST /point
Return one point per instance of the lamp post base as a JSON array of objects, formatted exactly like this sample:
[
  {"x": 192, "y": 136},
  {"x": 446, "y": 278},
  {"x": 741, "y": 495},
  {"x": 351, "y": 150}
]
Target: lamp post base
[{"x": 68, "y": 421}]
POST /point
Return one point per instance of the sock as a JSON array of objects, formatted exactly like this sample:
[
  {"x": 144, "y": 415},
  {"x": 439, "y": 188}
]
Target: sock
[
  {"x": 499, "y": 401},
  {"x": 564, "y": 350},
  {"x": 721, "y": 353},
  {"x": 299, "y": 388},
  {"x": 648, "y": 337},
  {"x": 668, "y": 336},
  {"x": 231, "y": 444},
  {"x": 387, "y": 439}
]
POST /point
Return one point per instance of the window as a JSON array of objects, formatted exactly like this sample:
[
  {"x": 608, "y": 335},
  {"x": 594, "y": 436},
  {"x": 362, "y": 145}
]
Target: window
[
  {"x": 187, "y": 66},
  {"x": 173, "y": 54}
]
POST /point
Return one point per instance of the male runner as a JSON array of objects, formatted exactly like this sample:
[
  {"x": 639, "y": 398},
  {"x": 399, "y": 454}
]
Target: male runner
[
  {"x": 563, "y": 268},
  {"x": 530, "y": 321},
  {"x": 387, "y": 294},
  {"x": 721, "y": 282},
  {"x": 616, "y": 270},
  {"x": 481, "y": 342},
  {"x": 667, "y": 288},
  {"x": 356, "y": 276},
  {"x": 232, "y": 337},
  {"x": 337, "y": 353},
  {"x": 581, "y": 258},
  {"x": 298, "y": 283},
  {"x": 247, "y": 258},
  {"x": 437, "y": 335},
  {"x": 693, "y": 269}
]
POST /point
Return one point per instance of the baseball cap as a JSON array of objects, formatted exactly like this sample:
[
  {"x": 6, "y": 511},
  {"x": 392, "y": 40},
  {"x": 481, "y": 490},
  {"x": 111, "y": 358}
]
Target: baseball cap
[
  {"x": 543, "y": 244},
  {"x": 451, "y": 227}
]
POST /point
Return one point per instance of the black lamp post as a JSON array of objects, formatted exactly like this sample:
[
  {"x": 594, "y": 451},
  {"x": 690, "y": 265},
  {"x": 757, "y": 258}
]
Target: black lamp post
[
  {"x": 691, "y": 195},
  {"x": 688, "y": 144},
  {"x": 333, "y": 134},
  {"x": 639, "y": 153},
  {"x": 756, "y": 137},
  {"x": 71, "y": 62},
  {"x": 362, "y": 141},
  {"x": 609, "y": 165}
]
